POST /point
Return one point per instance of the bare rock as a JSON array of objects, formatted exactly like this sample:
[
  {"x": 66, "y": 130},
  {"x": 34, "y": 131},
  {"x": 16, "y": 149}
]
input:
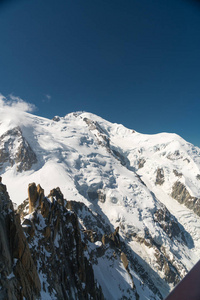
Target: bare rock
[
  {"x": 176, "y": 173},
  {"x": 160, "y": 177},
  {"x": 19, "y": 278},
  {"x": 181, "y": 194},
  {"x": 58, "y": 250},
  {"x": 14, "y": 149},
  {"x": 32, "y": 196},
  {"x": 124, "y": 260},
  {"x": 101, "y": 196},
  {"x": 141, "y": 163}
]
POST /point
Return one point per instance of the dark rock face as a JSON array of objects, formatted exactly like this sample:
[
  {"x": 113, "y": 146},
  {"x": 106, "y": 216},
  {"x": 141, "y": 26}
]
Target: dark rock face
[
  {"x": 51, "y": 252},
  {"x": 160, "y": 177},
  {"x": 112, "y": 245},
  {"x": 56, "y": 119},
  {"x": 181, "y": 194},
  {"x": 18, "y": 274},
  {"x": 57, "y": 248},
  {"x": 14, "y": 149},
  {"x": 46, "y": 254},
  {"x": 101, "y": 196},
  {"x": 100, "y": 134},
  {"x": 175, "y": 155},
  {"x": 176, "y": 173},
  {"x": 141, "y": 163},
  {"x": 172, "y": 271},
  {"x": 168, "y": 223}
]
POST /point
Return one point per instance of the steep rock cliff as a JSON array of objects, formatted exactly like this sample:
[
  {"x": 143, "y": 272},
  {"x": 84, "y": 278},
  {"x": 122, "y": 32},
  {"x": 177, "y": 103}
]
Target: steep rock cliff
[{"x": 18, "y": 275}]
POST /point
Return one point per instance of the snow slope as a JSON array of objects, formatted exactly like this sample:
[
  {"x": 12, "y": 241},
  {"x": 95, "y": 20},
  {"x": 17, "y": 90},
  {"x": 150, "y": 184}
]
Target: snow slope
[{"x": 86, "y": 156}]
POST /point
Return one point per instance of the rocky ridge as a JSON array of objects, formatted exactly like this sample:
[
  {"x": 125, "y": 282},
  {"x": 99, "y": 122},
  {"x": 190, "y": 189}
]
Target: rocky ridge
[
  {"x": 18, "y": 273},
  {"x": 15, "y": 150},
  {"x": 43, "y": 257}
]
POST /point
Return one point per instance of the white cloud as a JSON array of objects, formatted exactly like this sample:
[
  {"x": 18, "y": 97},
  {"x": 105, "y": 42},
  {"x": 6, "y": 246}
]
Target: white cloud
[
  {"x": 48, "y": 96},
  {"x": 16, "y": 103},
  {"x": 13, "y": 112}
]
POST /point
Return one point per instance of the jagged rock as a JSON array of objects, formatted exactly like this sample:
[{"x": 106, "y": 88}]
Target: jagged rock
[
  {"x": 186, "y": 159},
  {"x": 101, "y": 135},
  {"x": 40, "y": 193},
  {"x": 175, "y": 155},
  {"x": 23, "y": 209},
  {"x": 102, "y": 232},
  {"x": 14, "y": 149},
  {"x": 125, "y": 264},
  {"x": 119, "y": 156},
  {"x": 181, "y": 194},
  {"x": 171, "y": 275},
  {"x": 28, "y": 227},
  {"x": 101, "y": 196},
  {"x": 58, "y": 249},
  {"x": 168, "y": 223},
  {"x": 141, "y": 163},
  {"x": 160, "y": 177},
  {"x": 45, "y": 208},
  {"x": 35, "y": 196},
  {"x": 90, "y": 220},
  {"x": 56, "y": 119},
  {"x": 32, "y": 196},
  {"x": 124, "y": 260},
  {"x": 91, "y": 235},
  {"x": 172, "y": 271},
  {"x": 57, "y": 194},
  {"x": 176, "y": 173},
  {"x": 19, "y": 278},
  {"x": 113, "y": 239}
]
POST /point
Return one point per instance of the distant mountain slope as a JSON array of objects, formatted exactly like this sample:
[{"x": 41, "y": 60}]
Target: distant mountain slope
[{"x": 147, "y": 185}]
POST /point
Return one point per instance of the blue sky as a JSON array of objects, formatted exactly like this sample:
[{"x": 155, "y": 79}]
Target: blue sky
[{"x": 131, "y": 62}]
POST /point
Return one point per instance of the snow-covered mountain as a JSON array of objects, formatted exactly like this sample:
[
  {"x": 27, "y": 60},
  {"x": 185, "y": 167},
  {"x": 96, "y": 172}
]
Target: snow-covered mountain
[{"x": 147, "y": 186}]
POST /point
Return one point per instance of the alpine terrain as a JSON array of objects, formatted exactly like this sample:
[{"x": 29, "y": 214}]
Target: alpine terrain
[{"x": 98, "y": 211}]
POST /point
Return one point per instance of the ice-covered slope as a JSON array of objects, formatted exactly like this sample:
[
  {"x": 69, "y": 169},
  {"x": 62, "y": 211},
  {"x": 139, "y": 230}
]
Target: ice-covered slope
[{"x": 132, "y": 180}]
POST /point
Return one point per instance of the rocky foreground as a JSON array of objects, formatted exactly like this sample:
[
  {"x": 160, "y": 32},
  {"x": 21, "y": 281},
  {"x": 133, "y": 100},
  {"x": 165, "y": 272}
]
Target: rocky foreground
[{"x": 45, "y": 256}]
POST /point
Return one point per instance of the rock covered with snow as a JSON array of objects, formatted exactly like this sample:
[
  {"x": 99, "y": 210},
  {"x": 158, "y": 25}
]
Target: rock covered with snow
[
  {"x": 18, "y": 275},
  {"x": 55, "y": 243},
  {"x": 15, "y": 150},
  {"x": 147, "y": 185}
]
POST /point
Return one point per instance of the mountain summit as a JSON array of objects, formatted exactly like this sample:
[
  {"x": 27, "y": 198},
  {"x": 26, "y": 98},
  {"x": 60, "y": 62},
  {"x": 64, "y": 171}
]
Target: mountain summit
[{"x": 135, "y": 198}]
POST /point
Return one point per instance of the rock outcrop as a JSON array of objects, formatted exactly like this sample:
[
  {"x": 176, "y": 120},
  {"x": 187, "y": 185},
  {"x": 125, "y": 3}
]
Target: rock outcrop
[
  {"x": 98, "y": 232},
  {"x": 55, "y": 242},
  {"x": 18, "y": 274},
  {"x": 44, "y": 255},
  {"x": 160, "y": 177},
  {"x": 35, "y": 196},
  {"x": 59, "y": 243},
  {"x": 181, "y": 194},
  {"x": 15, "y": 150}
]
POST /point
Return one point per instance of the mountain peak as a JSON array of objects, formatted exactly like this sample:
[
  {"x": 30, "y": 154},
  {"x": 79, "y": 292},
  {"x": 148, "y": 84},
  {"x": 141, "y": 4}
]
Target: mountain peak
[{"x": 147, "y": 185}]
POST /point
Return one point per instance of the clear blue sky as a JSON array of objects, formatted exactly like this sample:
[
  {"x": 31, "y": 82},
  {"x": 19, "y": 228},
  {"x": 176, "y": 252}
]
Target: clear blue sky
[{"x": 131, "y": 62}]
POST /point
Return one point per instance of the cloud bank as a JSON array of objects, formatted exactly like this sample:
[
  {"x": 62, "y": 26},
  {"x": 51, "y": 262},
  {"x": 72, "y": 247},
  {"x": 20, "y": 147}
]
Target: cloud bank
[
  {"x": 16, "y": 103},
  {"x": 13, "y": 112}
]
